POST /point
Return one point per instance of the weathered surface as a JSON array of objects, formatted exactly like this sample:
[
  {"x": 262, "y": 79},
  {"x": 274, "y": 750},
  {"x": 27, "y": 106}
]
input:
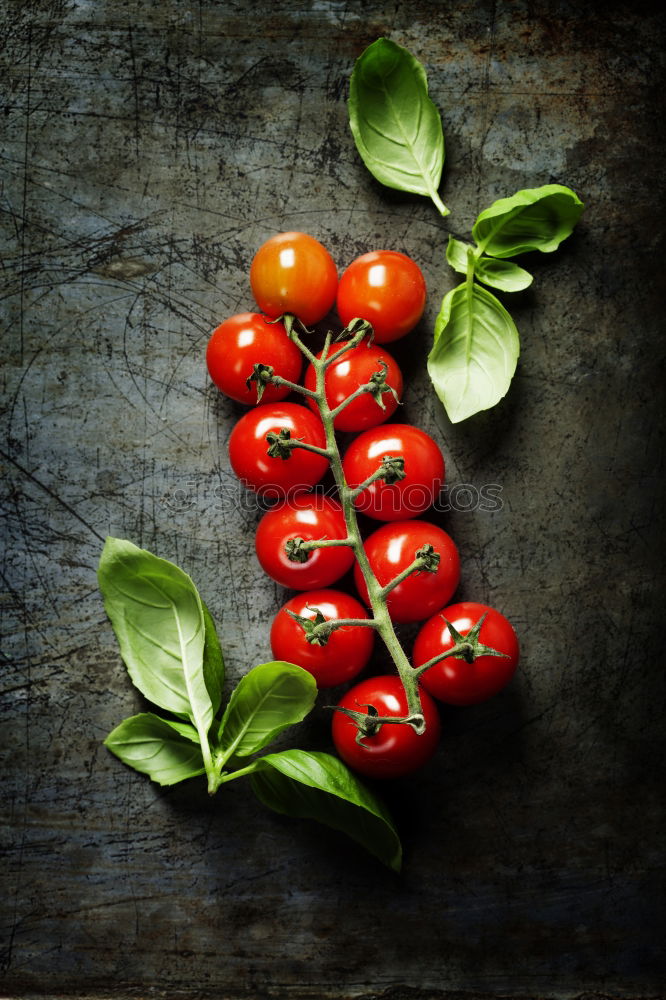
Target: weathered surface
[{"x": 149, "y": 148}]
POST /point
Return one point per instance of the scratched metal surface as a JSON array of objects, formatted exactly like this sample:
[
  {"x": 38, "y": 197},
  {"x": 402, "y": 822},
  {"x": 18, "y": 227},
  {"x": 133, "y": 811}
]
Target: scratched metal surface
[{"x": 149, "y": 148}]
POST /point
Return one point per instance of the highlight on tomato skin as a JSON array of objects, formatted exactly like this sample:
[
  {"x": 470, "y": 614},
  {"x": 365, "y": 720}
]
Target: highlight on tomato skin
[
  {"x": 391, "y": 549},
  {"x": 345, "y": 653},
  {"x": 353, "y": 369},
  {"x": 294, "y": 273},
  {"x": 242, "y": 341},
  {"x": 454, "y": 680},
  {"x": 274, "y": 477},
  {"x": 423, "y": 471},
  {"x": 386, "y": 288},
  {"x": 396, "y": 749}
]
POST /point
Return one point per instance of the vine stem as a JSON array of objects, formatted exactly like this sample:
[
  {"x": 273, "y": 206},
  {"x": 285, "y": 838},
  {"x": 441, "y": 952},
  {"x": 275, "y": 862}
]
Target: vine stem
[{"x": 376, "y": 592}]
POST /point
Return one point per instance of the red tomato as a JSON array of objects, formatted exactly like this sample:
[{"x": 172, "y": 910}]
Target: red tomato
[
  {"x": 454, "y": 680},
  {"x": 346, "y": 375},
  {"x": 307, "y": 516},
  {"x": 387, "y": 289},
  {"x": 348, "y": 648},
  {"x": 241, "y": 342},
  {"x": 396, "y": 749},
  {"x": 424, "y": 471},
  {"x": 294, "y": 273},
  {"x": 277, "y": 477},
  {"x": 391, "y": 549}
]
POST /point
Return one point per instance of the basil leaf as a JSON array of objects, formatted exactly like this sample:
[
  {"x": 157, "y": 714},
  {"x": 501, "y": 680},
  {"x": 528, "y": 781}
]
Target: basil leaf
[
  {"x": 475, "y": 351},
  {"x": 312, "y": 785},
  {"x": 268, "y": 698},
  {"x": 166, "y": 751},
  {"x": 502, "y": 274},
  {"x": 456, "y": 254},
  {"x": 213, "y": 661},
  {"x": 532, "y": 219},
  {"x": 396, "y": 127},
  {"x": 158, "y": 618}
]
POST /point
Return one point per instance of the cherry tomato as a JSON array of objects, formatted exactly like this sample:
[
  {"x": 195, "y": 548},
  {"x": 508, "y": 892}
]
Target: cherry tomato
[
  {"x": 424, "y": 471},
  {"x": 347, "y": 650},
  {"x": 294, "y": 273},
  {"x": 242, "y": 341},
  {"x": 346, "y": 375},
  {"x": 454, "y": 680},
  {"x": 396, "y": 749},
  {"x": 387, "y": 289},
  {"x": 307, "y": 516},
  {"x": 391, "y": 549},
  {"x": 277, "y": 477}
]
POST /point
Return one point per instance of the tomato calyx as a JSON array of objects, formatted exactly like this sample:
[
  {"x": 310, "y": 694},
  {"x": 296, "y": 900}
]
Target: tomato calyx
[
  {"x": 318, "y": 629},
  {"x": 309, "y": 625},
  {"x": 369, "y": 723},
  {"x": 263, "y": 376},
  {"x": 426, "y": 558},
  {"x": 289, "y": 321},
  {"x": 282, "y": 444},
  {"x": 391, "y": 469},
  {"x": 467, "y": 647},
  {"x": 377, "y": 386},
  {"x": 356, "y": 328},
  {"x": 298, "y": 549}
]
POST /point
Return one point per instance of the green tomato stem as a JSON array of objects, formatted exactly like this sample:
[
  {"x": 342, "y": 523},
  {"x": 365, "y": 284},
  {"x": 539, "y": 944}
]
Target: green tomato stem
[
  {"x": 331, "y": 624},
  {"x": 293, "y": 386},
  {"x": 461, "y": 649},
  {"x": 376, "y": 593},
  {"x": 296, "y": 443}
]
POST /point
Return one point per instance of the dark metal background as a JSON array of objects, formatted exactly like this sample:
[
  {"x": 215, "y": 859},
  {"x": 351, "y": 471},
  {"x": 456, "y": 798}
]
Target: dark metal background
[{"x": 149, "y": 148}]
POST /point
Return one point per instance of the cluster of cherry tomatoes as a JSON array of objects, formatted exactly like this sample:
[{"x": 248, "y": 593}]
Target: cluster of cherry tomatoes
[{"x": 294, "y": 274}]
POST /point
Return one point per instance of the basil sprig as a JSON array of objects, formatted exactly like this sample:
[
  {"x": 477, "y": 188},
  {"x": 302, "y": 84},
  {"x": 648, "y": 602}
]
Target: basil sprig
[
  {"x": 172, "y": 653},
  {"x": 398, "y": 133}
]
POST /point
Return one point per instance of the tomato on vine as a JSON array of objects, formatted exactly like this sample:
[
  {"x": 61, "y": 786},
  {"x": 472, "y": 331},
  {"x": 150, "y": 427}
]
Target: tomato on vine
[
  {"x": 392, "y": 549},
  {"x": 423, "y": 471},
  {"x": 242, "y": 341},
  {"x": 454, "y": 680},
  {"x": 353, "y": 369},
  {"x": 309, "y": 517},
  {"x": 342, "y": 655},
  {"x": 270, "y": 475},
  {"x": 387, "y": 289},
  {"x": 293, "y": 273},
  {"x": 395, "y": 749}
]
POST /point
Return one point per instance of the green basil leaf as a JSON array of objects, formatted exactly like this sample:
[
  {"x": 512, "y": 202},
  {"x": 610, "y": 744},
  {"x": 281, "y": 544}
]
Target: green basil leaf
[
  {"x": 532, "y": 219},
  {"x": 213, "y": 661},
  {"x": 312, "y": 785},
  {"x": 268, "y": 698},
  {"x": 456, "y": 254},
  {"x": 166, "y": 751},
  {"x": 502, "y": 274},
  {"x": 158, "y": 618},
  {"x": 475, "y": 351},
  {"x": 396, "y": 127}
]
